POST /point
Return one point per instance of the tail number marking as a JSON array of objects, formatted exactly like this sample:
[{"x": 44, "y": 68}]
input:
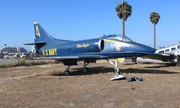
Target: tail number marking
[
  {"x": 49, "y": 52},
  {"x": 37, "y": 31}
]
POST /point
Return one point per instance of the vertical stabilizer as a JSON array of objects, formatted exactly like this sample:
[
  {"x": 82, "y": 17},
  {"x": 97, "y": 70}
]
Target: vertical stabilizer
[
  {"x": 43, "y": 38},
  {"x": 42, "y": 35}
]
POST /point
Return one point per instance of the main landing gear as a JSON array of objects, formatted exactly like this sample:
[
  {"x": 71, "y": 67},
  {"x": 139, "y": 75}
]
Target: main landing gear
[
  {"x": 116, "y": 69},
  {"x": 66, "y": 72},
  {"x": 85, "y": 69}
]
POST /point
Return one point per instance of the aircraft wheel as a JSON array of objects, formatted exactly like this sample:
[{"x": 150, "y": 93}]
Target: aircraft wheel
[
  {"x": 85, "y": 70},
  {"x": 66, "y": 72}
]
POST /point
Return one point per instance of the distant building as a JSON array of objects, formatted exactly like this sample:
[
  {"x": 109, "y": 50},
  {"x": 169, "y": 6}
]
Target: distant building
[{"x": 6, "y": 50}]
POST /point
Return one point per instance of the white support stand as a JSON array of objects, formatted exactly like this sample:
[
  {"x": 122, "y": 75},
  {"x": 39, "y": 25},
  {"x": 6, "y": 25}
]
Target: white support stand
[{"x": 116, "y": 69}]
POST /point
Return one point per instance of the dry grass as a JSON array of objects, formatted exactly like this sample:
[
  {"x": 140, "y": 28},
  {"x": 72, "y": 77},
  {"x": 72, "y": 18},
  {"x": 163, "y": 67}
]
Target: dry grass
[
  {"x": 24, "y": 63},
  {"x": 45, "y": 86}
]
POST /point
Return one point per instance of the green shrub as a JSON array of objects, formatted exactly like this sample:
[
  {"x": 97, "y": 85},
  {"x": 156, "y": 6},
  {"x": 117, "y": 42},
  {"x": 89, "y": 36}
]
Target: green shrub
[{"x": 21, "y": 62}]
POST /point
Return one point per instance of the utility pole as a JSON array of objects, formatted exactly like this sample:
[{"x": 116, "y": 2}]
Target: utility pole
[{"x": 5, "y": 48}]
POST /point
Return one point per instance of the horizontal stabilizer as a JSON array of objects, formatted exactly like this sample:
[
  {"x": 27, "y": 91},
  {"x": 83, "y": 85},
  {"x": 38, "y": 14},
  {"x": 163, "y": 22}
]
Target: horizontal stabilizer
[{"x": 35, "y": 43}]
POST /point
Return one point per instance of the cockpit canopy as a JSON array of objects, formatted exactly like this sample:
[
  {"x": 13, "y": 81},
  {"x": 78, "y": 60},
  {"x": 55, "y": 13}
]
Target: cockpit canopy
[{"x": 118, "y": 37}]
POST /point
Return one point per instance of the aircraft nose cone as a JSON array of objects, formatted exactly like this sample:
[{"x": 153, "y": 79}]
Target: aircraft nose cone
[
  {"x": 146, "y": 49},
  {"x": 150, "y": 49}
]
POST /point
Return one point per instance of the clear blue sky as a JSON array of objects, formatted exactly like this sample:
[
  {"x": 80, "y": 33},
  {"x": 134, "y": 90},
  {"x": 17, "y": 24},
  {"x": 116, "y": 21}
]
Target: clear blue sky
[{"x": 85, "y": 19}]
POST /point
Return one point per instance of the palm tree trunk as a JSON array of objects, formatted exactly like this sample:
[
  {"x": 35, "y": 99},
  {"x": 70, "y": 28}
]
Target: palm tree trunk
[
  {"x": 154, "y": 36},
  {"x": 123, "y": 27}
]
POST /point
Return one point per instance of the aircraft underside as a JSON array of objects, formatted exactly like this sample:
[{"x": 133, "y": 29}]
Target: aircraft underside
[{"x": 85, "y": 69}]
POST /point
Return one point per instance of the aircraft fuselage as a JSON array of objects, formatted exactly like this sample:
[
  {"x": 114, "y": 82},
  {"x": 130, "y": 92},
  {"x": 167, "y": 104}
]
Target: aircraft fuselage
[{"x": 99, "y": 46}]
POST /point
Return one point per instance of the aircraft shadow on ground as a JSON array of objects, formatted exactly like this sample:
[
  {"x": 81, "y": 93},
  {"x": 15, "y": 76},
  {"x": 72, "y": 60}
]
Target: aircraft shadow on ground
[
  {"x": 103, "y": 69},
  {"x": 159, "y": 65},
  {"x": 91, "y": 70},
  {"x": 149, "y": 71}
]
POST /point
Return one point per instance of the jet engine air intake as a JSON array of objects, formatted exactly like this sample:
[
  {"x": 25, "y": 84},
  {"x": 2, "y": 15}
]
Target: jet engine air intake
[
  {"x": 95, "y": 45},
  {"x": 101, "y": 44}
]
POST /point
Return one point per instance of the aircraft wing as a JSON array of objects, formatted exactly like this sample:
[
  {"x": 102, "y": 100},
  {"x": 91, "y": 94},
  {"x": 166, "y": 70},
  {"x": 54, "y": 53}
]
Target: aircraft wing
[
  {"x": 73, "y": 57},
  {"x": 158, "y": 56},
  {"x": 35, "y": 43}
]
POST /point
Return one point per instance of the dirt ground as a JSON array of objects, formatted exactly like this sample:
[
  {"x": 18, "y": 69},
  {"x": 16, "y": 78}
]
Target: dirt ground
[{"x": 46, "y": 86}]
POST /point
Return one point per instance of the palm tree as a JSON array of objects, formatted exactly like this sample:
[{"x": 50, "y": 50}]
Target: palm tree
[
  {"x": 123, "y": 12},
  {"x": 154, "y": 18}
]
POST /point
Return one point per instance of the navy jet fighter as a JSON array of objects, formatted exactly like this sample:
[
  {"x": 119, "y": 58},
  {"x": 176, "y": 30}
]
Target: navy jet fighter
[{"x": 106, "y": 47}]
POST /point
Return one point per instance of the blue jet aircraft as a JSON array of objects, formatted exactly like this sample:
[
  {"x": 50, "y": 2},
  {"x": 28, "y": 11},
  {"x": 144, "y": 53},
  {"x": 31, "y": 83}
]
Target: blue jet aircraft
[{"x": 106, "y": 47}]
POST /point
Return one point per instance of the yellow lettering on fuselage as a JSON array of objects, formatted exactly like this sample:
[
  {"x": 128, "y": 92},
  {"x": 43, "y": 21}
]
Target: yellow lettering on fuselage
[
  {"x": 43, "y": 52},
  {"x": 82, "y": 45},
  {"x": 37, "y": 31},
  {"x": 52, "y": 52},
  {"x": 49, "y": 52}
]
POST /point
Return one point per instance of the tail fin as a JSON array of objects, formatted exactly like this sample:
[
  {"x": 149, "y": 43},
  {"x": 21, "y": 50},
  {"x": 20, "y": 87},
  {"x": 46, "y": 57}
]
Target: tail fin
[
  {"x": 42, "y": 35},
  {"x": 42, "y": 38}
]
